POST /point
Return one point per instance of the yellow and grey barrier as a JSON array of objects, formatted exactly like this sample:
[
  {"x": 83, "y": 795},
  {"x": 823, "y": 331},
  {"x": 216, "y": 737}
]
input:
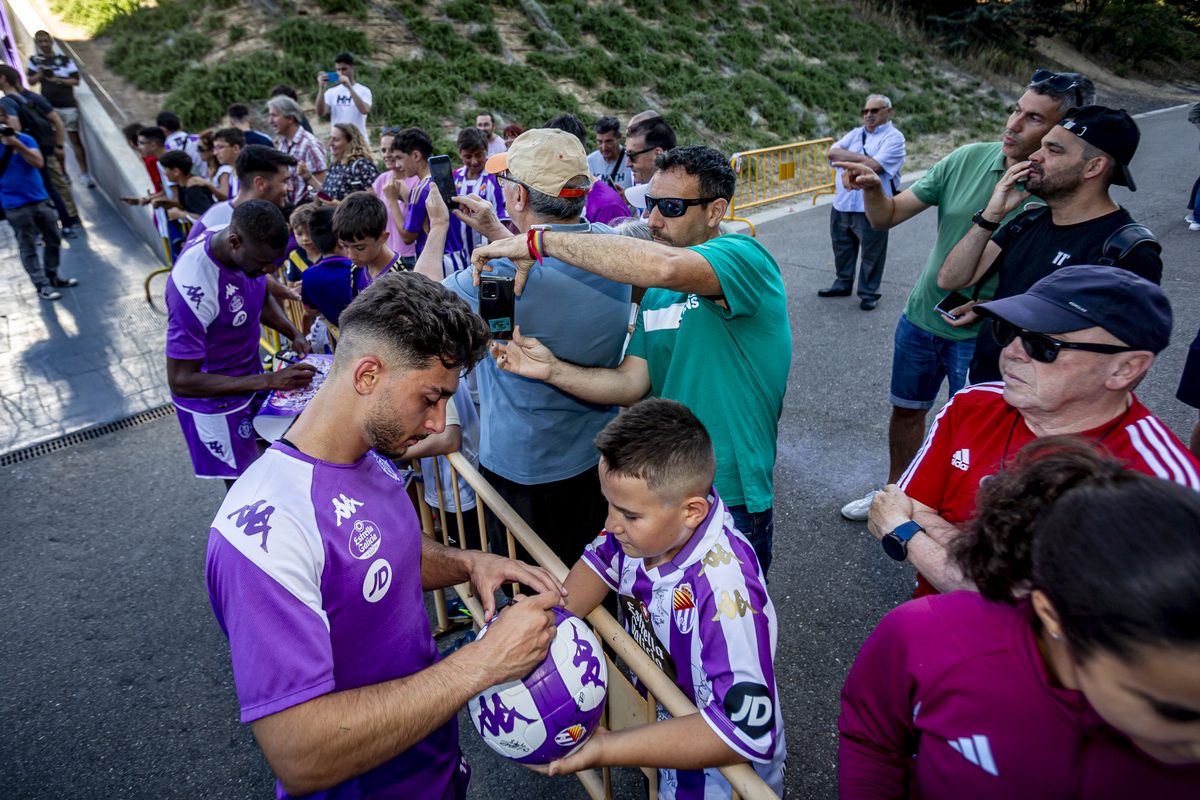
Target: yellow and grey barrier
[
  {"x": 770, "y": 174},
  {"x": 626, "y": 707}
]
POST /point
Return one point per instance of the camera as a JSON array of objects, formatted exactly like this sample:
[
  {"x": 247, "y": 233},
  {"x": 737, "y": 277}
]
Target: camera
[
  {"x": 489, "y": 291},
  {"x": 7, "y": 131}
]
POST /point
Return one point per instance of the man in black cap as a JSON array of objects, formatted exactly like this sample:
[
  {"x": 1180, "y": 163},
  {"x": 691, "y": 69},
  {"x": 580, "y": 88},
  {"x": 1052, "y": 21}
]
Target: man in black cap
[
  {"x": 1074, "y": 347},
  {"x": 1079, "y": 159},
  {"x": 343, "y": 100}
]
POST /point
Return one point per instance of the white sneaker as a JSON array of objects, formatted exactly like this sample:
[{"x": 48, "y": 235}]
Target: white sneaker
[
  {"x": 87, "y": 181},
  {"x": 1195, "y": 226},
  {"x": 859, "y": 509},
  {"x": 1189, "y": 218}
]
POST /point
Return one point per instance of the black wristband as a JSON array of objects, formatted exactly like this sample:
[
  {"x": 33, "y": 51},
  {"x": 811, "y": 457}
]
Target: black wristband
[{"x": 978, "y": 219}]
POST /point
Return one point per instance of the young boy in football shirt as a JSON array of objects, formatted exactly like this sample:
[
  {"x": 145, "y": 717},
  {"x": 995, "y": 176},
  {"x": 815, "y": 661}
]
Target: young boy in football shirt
[
  {"x": 392, "y": 187},
  {"x": 471, "y": 178},
  {"x": 412, "y": 148},
  {"x": 360, "y": 225},
  {"x": 693, "y": 597}
]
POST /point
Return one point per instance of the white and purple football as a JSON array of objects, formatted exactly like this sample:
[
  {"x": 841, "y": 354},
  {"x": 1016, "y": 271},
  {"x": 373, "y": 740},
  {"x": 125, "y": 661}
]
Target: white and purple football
[{"x": 553, "y": 711}]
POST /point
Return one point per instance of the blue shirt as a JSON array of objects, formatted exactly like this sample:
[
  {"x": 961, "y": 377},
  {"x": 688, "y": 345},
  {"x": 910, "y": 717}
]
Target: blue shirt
[
  {"x": 326, "y": 287},
  {"x": 887, "y": 146},
  {"x": 532, "y": 432},
  {"x": 254, "y": 137},
  {"x": 21, "y": 184}
]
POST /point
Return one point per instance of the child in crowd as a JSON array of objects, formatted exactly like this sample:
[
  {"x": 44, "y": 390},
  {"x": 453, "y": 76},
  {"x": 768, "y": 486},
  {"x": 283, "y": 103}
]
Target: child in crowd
[
  {"x": 392, "y": 187},
  {"x": 193, "y": 194},
  {"x": 471, "y": 178},
  {"x": 412, "y": 148},
  {"x": 693, "y": 597},
  {"x": 360, "y": 224},
  {"x": 227, "y": 144},
  {"x": 131, "y": 137},
  {"x": 306, "y": 253},
  {"x": 1074, "y": 672},
  {"x": 326, "y": 284},
  {"x": 207, "y": 166}
]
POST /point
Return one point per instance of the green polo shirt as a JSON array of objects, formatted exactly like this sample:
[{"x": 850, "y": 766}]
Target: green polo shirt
[
  {"x": 959, "y": 185},
  {"x": 728, "y": 363}
]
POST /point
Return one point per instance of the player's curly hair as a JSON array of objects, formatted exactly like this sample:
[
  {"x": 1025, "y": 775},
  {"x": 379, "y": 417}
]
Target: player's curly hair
[
  {"x": 1116, "y": 552},
  {"x": 416, "y": 321}
]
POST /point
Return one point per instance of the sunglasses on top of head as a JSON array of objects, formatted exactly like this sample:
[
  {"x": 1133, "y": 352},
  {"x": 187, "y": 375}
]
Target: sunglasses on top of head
[
  {"x": 1060, "y": 82},
  {"x": 1041, "y": 347},
  {"x": 675, "y": 206}
]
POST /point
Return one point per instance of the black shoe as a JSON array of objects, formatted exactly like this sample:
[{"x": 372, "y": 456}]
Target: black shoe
[
  {"x": 868, "y": 303},
  {"x": 59, "y": 283},
  {"x": 832, "y": 292}
]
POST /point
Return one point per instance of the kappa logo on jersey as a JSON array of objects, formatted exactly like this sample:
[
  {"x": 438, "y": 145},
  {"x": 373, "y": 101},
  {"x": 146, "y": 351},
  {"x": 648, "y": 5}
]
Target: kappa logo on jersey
[
  {"x": 217, "y": 448},
  {"x": 978, "y": 751},
  {"x": 583, "y": 655},
  {"x": 961, "y": 459},
  {"x": 733, "y": 608},
  {"x": 344, "y": 507},
  {"x": 364, "y": 538},
  {"x": 570, "y": 736},
  {"x": 718, "y": 556},
  {"x": 254, "y": 520},
  {"x": 378, "y": 581},
  {"x": 239, "y": 318},
  {"x": 237, "y": 302},
  {"x": 750, "y": 707},
  {"x": 195, "y": 295},
  {"x": 1061, "y": 259},
  {"x": 499, "y": 717},
  {"x": 230, "y": 291},
  {"x": 684, "y": 608}
]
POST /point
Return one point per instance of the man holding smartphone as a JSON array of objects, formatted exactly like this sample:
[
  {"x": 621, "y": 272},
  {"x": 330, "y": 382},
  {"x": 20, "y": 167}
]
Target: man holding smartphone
[
  {"x": 341, "y": 98},
  {"x": 929, "y": 347}
]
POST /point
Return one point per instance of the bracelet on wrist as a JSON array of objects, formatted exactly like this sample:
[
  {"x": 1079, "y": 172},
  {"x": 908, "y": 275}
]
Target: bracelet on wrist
[{"x": 534, "y": 241}]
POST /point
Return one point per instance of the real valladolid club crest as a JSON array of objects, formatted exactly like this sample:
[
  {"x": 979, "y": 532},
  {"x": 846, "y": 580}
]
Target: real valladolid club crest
[{"x": 685, "y": 608}]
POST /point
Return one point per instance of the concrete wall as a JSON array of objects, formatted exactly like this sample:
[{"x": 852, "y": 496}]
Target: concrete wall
[{"x": 117, "y": 170}]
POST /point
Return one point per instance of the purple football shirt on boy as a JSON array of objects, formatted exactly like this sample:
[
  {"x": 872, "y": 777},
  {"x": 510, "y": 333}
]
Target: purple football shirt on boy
[
  {"x": 314, "y": 575},
  {"x": 486, "y": 186},
  {"x": 705, "y": 618},
  {"x": 417, "y": 221}
]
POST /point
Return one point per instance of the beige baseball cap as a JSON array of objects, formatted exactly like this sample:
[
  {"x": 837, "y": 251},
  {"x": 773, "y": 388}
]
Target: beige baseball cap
[{"x": 546, "y": 159}]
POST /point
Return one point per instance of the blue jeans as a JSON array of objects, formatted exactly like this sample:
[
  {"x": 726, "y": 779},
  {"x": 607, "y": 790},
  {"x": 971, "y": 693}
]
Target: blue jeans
[
  {"x": 921, "y": 361},
  {"x": 759, "y": 528},
  {"x": 1194, "y": 197}
]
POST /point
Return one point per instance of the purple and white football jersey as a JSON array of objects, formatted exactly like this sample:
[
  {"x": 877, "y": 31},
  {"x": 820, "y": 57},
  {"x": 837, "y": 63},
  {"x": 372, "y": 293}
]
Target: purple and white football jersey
[
  {"x": 216, "y": 218},
  {"x": 213, "y": 314},
  {"x": 314, "y": 574},
  {"x": 705, "y": 618},
  {"x": 486, "y": 186}
]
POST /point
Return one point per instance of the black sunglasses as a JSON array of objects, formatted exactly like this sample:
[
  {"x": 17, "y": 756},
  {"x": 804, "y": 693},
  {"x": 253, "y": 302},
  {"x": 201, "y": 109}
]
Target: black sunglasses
[
  {"x": 874, "y": 110},
  {"x": 636, "y": 153},
  {"x": 675, "y": 206},
  {"x": 1059, "y": 82},
  {"x": 1041, "y": 347}
]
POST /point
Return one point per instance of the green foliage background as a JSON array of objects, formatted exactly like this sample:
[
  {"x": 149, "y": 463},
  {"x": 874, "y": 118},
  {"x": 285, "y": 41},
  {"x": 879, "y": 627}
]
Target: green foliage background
[{"x": 729, "y": 74}]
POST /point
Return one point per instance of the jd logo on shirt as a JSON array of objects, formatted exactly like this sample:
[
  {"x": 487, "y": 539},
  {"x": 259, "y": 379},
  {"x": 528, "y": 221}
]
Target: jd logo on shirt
[
  {"x": 750, "y": 707},
  {"x": 378, "y": 580}
]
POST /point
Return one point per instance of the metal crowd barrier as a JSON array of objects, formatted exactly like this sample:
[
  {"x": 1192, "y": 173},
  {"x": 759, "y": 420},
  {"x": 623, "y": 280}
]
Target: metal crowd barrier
[
  {"x": 626, "y": 707},
  {"x": 771, "y": 174}
]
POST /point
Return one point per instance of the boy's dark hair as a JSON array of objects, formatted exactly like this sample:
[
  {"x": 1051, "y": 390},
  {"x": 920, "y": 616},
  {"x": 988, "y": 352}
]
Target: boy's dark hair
[
  {"x": 470, "y": 139},
  {"x": 571, "y": 124},
  {"x": 411, "y": 321},
  {"x": 168, "y": 120},
  {"x": 708, "y": 166},
  {"x": 153, "y": 132},
  {"x": 361, "y": 215},
  {"x": 656, "y": 132},
  {"x": 320, "y": 230},
  {"x": 663, "y": 443},
  {"x": 282, "y": 89},
  {"x": 258, "y": 159},
  {"x": 411, "y": 140},
  {"x": 608, "y": 124},
  {"x": 132, "y": 130},
  {"x": 260, "y": 222},
  {"x": 231, "y": 136},
  {"x": 238, "y": 112},
  {"x": 176, "y": 159}
]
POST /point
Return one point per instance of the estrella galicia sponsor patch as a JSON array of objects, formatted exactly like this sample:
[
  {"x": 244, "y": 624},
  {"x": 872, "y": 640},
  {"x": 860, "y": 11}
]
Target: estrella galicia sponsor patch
[{"x": 750, "y": 707}]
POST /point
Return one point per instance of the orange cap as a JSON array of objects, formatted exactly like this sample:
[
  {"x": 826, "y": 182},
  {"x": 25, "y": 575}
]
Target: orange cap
[{"x": 545, "y": 159}]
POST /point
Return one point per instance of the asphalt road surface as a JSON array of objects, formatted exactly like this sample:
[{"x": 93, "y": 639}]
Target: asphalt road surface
[{"x": 116, "y": 679}]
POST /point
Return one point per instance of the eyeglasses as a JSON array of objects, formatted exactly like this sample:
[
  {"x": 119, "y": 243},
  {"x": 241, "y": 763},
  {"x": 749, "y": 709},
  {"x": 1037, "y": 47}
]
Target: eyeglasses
[
  {"x": 1041, "y": 347},
  {"x": 1060, "y": 82},
  {"x": 671, "y": 207},
  {"x": 504, "y": 178},
  {"x": 636, "y": 153},
  {"x": 874, "y": 110}
]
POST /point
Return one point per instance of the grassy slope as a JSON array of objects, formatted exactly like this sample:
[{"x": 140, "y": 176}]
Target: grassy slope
[{"x": 728, "y": 73}]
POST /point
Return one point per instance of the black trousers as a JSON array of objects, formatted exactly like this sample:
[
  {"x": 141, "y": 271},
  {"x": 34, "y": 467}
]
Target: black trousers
[
  {"x": 850, "y": 232},
  {"x": 567, "y": 514}
]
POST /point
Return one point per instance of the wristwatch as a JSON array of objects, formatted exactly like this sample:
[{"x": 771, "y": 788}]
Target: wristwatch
[
  {"x": 895, "y": 544},
  {"x": 983, "y": 223}
]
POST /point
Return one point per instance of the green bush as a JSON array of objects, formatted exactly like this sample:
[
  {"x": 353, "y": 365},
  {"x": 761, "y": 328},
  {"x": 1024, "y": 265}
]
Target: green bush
[
  {"x": 488, "y": 39},
  {"x": 212, "y": 24},
  {"x": 201, "y": 96},
  {"x": 236, "y": 33},
  {"x": 152, "y": 62},
  {"x": 357, "y": 8},
  {"x": 470, "y": 11},
  {"x": 93, "y": 15}
]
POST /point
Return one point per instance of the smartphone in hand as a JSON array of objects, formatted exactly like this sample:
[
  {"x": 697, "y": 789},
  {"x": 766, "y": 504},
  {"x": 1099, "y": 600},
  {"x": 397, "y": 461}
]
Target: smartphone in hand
[
  {"x": 443, "y": 177},
  {"x": 950, "y": 302},
  {"x": 497, "y": 305}
]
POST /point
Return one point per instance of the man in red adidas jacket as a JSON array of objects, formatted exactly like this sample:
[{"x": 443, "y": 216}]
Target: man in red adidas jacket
[{"x": 1074, "y": 347}]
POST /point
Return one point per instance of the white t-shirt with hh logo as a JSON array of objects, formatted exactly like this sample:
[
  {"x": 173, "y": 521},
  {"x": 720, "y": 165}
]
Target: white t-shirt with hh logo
[{"x": 342, "y": 108}]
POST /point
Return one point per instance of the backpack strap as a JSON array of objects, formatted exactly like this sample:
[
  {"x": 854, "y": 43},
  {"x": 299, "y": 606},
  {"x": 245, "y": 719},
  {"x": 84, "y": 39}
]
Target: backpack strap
[{"x": 1123, "y": 240}]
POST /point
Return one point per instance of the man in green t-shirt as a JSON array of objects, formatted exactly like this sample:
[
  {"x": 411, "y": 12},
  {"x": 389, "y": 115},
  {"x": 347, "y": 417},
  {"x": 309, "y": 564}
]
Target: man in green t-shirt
[
  {"x": 713, "y": 334},
  {"x": 931, "y": 346}
]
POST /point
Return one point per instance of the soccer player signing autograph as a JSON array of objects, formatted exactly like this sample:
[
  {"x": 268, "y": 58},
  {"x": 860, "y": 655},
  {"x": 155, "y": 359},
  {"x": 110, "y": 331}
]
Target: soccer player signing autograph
[{"x": 695, "y": 599}]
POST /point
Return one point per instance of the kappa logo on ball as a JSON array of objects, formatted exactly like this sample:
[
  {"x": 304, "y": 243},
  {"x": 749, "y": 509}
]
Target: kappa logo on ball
[
  {"x": 570, "y": 736},
  {"x": 685, "y": 608},
  {"x": 364, "y": 539}
]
